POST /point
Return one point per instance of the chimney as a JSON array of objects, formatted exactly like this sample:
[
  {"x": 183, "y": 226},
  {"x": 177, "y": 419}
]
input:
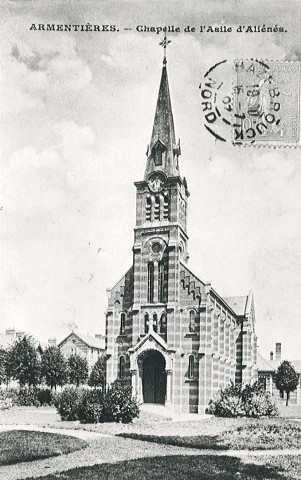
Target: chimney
[
  {"x": 271, "y": 355},
  {"x": 98, "y": 335},
  {"x": 278, "y": 352},
  {"x": 52, "y": 342}
]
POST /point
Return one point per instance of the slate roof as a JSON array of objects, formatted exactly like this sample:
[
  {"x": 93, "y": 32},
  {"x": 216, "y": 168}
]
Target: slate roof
[
  {"x": 264, "y": 365},
  {"x": 163, "y": 131},
  {"x": 238, "y": 304},
  {"x": 90, "y": 341}
]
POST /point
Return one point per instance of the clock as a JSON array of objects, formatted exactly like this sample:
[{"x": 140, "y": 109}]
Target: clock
[{"x": 156, "y": 184}]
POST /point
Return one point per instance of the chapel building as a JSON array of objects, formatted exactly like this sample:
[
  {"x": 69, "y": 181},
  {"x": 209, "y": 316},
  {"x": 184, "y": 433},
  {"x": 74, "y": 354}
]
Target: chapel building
[{"x": 168, "y": 332}]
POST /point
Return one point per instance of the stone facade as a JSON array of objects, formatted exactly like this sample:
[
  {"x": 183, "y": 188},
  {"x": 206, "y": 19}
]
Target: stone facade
[{"x": 168, "y": 332}]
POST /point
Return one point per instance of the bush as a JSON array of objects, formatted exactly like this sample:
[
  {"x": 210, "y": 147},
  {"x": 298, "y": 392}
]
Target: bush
[
  {"x": 10, "y": 394},
  {"x": 28, "y": 397},
  {"x": 94, "y": 406},
  {"x": 67, "y": 403},
  {"x": 243, "y": 401},
  {"x": 91, "y": 407},
  {"x": 5, "y": 403},
  {"x": 119, "y": 406},
  {"x": 44, "y": 397}
]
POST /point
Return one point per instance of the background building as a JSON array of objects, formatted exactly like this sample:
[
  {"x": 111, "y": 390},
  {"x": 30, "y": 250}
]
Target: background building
[
  {"x": 84, "y": 345},
  {"x": 267, "y": 370}
]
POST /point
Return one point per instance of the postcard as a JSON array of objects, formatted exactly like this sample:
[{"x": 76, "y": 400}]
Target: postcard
[{"x": 150, "y": 213}]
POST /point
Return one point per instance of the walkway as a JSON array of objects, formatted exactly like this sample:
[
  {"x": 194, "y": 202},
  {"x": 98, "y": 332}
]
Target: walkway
[{"x": 105, "y": 448}]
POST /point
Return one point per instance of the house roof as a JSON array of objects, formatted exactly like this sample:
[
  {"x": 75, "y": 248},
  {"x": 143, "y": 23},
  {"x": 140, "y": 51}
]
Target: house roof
[
  {"x": 90, "y": 341},
  {"x": 238, "y": 304},
  {"x": 264, "y": 365}
]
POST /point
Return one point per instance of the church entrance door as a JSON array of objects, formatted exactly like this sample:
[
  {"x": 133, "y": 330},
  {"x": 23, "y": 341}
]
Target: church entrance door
[{"x": 154, "y": 378}]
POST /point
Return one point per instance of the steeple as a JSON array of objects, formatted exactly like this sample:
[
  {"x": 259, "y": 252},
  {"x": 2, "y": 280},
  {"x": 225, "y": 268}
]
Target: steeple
[{"x": 163, "y": 152}]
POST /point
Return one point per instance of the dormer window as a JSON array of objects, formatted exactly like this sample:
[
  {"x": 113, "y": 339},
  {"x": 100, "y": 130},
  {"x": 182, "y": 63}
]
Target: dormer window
[
  {"x": 157, "y": 152},
  {"x": 158, "y": 157}
]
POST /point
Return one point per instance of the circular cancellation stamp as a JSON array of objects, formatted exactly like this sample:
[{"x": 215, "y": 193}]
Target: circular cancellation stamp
[{"x": 266, "y": 103}]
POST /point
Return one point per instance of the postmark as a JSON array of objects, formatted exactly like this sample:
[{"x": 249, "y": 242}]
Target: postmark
[
  {"x": 216, "y": 100},
  {"x": 266, "y": 108}
]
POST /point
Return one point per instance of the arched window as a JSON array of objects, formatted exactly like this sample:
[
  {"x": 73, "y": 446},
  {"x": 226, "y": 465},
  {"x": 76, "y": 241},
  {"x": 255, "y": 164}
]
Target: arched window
[
  {"x": 148, "y": 209},
  {"x": 163, "y": 326},
  {"x": 122, "y": 324},
  {"x": 191, "y": 367},
  {"x": 166, "y": 207},
  {"x": 146, "y": 323},
  {"x": 155, "y": 322},
  {"x": 192, "y": 321},
  {"x": 121, "y": 367},
  {"x": 160, "y": 281},
  {"x": 150, "y": 282},
  {"x": 157, "y": 208}
]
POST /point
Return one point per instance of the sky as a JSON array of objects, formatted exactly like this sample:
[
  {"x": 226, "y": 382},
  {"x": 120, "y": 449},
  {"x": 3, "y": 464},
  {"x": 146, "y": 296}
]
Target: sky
[{"x": 76, "y": 116}]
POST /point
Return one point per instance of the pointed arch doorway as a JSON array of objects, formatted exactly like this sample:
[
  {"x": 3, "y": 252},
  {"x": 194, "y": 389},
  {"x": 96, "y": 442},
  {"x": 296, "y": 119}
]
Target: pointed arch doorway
[{"x": 153, "y": 377}]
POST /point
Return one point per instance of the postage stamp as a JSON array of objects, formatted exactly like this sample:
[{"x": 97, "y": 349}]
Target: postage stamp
[{"x": 266, "y": 108}]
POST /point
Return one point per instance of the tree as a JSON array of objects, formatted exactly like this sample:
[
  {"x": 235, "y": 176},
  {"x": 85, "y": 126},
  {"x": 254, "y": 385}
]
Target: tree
[
  {"x": 287, "y": 378},
  {"x": 54, "y": 367},
  {"x": 2, "y": 366},
  {"x": 22, "y": 362},
  {"x": 97, "y": 375},
  {"x": 77, "y": 369}
]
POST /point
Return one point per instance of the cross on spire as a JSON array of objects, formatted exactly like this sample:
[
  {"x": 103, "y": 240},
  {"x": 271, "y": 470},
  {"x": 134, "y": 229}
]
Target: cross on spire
[{"x": 164, "y": 44}]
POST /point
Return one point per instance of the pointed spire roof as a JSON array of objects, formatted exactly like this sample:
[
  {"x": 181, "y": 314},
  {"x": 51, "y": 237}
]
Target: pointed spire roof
[{"x": 163, "y": 136}]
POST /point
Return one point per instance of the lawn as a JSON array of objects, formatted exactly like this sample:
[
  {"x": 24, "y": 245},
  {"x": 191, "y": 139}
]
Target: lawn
[
  {"x": 24, "y": 446},
  {"x": 264, "y": 434},
  {"x": 182, "y": 467}
]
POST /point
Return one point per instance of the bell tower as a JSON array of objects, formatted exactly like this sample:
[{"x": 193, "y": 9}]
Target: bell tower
[
  {"x": 168, "y": 332},
  {"x": 160, "y": 238}
]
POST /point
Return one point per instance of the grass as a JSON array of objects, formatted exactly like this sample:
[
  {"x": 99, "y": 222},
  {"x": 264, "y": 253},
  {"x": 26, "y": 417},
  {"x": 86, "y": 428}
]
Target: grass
[
  {"x": 291, "y": 411},
  {"x": 29, "y": 415},
  {"x": 25, "y": 446},
  {"x": 180, "y": 467},
  {"x": 258, "y": 435}
]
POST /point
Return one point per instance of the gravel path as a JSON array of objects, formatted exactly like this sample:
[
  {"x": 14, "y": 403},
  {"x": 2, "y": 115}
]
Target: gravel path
[{"x": 105, "y": 448}]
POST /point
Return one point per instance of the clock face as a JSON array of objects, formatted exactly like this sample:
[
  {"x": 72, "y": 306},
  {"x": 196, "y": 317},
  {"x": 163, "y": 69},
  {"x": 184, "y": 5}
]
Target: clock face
[{"x": 156, "y": 184}]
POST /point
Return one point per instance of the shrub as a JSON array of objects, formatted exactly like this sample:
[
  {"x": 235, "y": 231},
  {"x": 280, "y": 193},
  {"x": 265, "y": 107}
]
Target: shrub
[
  {"x": 9, "y": 394},
  {"x": 5, "y": 403},
  {"x": 44, "y": 397},
  {"x": 28, "y": 397},
  {"x": 243, "y": 401},
  {"x": 54, "y": 397},
  {"x": 119, "y": 406},
  {"x": 91, "y": 407},
  {"x": 67, "y": 403},
  {"x": 94, "y": 406}
]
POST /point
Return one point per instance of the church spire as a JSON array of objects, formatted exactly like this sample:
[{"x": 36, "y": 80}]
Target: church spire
[{"x": 163, "y": 152}]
